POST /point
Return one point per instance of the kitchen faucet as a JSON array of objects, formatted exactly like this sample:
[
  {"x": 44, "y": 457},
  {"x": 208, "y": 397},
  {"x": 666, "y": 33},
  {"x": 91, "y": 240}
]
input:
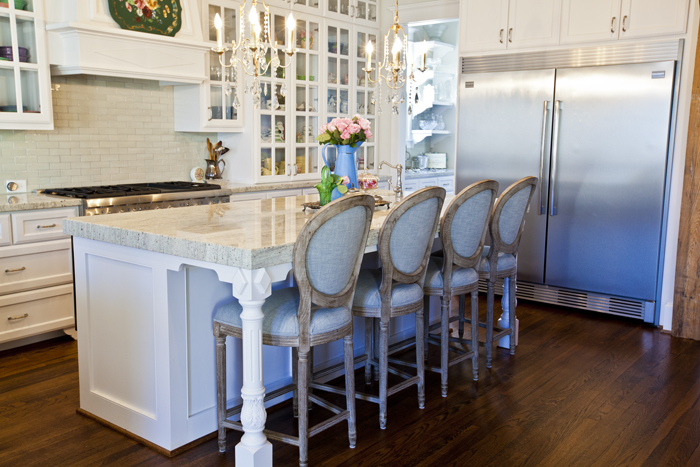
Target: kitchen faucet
[{"x": 398, "y": 189}]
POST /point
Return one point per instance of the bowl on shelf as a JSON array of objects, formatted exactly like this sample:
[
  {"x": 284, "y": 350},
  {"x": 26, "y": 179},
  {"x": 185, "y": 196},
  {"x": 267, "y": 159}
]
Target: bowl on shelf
[
  {"x": 435, "y": 31},
  {"x": 6, "y": 52}
]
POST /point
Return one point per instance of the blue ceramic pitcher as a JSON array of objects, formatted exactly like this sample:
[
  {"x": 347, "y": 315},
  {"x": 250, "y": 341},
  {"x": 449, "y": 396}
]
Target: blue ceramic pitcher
[{"x": 345, "y": 163}]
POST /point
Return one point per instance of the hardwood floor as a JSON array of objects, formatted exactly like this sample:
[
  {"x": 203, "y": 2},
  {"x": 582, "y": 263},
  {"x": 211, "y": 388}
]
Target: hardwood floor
[{"x": 582, "y": 390}]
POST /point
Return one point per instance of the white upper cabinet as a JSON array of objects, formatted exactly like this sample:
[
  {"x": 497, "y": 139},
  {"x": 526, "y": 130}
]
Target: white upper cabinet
[
  {"x": 589, "y": 20},
  {"x": 642, "y": 18},
  {"x": 501, "y": 24},
  {"x": 484, "y": 25},
  {"x": 602, "y": 20},
  {"x": 533, "y": 23}
]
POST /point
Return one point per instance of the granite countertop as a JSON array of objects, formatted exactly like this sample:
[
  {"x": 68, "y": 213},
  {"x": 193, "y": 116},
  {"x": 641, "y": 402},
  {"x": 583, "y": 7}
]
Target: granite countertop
[
  {"x": 247, "y": 234},
  {"x": 30, "y": 201},
  {"x": 243, "y": 188},
  {"x": 428, "y": 174}
]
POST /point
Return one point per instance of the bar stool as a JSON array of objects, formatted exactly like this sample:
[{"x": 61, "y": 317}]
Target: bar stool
[
  {"x": 463, "y": 232},
  {"x": 326, "y": 263},
  {"x": 405, "y": 241},
  {"x": 499, "y": 261}
]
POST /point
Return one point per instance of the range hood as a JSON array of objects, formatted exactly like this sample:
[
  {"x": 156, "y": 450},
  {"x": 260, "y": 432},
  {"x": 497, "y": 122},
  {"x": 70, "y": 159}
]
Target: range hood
[{"x": 84, "y": 39}]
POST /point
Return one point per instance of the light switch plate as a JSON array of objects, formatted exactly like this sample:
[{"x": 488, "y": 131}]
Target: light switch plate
[{"x": 21, "y": 188}]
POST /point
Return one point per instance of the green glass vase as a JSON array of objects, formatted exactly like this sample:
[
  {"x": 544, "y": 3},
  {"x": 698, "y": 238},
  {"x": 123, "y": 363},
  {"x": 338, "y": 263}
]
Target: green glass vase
[{"x": 324, "y": 195}]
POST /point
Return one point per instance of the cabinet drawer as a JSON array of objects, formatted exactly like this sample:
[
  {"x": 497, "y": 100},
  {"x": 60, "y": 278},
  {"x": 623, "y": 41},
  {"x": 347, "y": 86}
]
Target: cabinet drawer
[
  {"x": 410, "y": 187},
  {"x": 5, "y": 234},
  {"x": 448, "y": 184},
  {"x": 40, "y": 225},
  {"x": 26, "y": 314},
  {"x": 426, "y": 182},
  {"x": 26, "y": 267}
]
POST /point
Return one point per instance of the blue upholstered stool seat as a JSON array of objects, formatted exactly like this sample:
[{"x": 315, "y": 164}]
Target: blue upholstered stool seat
[
  {"x": 280, "y": 311},
  {"x": 505, "y": 261},
  {"x": 367, "y": 291},
  {"x": 460, "y": 277}
]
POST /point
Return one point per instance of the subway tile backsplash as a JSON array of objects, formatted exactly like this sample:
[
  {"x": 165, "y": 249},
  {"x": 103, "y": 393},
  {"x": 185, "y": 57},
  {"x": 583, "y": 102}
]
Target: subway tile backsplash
[{"x": 106, "y": 130}]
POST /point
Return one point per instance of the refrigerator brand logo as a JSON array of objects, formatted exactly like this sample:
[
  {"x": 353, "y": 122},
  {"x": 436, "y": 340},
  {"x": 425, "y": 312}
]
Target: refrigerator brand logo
[
  {"x": 658, "y": 74},
  {"x": 469, "y": 84}
]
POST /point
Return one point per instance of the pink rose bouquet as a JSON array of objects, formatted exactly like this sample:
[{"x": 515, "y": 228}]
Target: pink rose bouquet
[{"x": 348, "y": 131}]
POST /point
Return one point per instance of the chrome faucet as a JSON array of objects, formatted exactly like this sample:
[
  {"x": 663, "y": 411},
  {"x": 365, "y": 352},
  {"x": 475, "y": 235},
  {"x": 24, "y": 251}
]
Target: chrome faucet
[{"x": 398, "y": 188}]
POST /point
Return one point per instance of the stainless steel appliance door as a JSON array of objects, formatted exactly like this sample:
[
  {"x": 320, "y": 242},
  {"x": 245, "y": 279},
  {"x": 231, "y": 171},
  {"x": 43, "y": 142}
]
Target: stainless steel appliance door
[
  {"x": 504, "y": 135},
  {"x": 607, "y": 178}
]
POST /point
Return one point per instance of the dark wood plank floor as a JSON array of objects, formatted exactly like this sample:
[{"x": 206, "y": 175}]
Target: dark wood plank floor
[{"x": 582, "y": 390}]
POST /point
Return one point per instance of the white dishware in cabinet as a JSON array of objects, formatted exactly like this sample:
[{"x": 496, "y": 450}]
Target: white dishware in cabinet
[
  {"x": 586, "y": 21},
  {"x": 5, "y": 231},
  {"x": 25, "y": 85},
  {"x": 508, "y": 24},
  {"x": 35, "y": 312},
  {"x": 40, "y": 225},
  {"x": 35, "y": 265}
]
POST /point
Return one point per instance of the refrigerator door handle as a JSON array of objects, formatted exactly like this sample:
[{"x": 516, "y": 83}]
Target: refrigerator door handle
[
  {"x": 555, "y": 154},
  {"x": 542, "y": 208}
]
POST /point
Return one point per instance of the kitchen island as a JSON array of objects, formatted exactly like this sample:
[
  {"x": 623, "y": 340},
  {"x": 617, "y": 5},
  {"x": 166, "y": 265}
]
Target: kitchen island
[{"x": 147, "y": 284}]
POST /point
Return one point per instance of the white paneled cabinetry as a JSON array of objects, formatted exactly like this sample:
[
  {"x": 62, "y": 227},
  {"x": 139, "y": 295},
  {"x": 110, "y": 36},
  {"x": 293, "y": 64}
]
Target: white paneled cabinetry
[
  {"x": 36, "y": 291},
  {"x": 516, "y": 24}
]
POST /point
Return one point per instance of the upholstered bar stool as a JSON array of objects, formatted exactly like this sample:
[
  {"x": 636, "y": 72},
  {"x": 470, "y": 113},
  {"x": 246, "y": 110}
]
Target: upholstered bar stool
[
  {"x": 499, "y": 261},
  {"x": 405, "y": 241},
  {"x": 463, "y": 232},
  {"x": 326, "y": 263}
]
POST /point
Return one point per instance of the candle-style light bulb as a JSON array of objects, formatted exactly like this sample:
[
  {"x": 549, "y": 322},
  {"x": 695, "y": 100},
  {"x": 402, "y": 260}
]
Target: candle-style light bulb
[
  {"x": 369, "y": 48},
  {"x": 217, "y": 25},
  {"x": 256, "y": 32},
  {"x": 398, "y": 45},
  {"x": 290, "y": 31},
  {"x": 422, "y": 58}
]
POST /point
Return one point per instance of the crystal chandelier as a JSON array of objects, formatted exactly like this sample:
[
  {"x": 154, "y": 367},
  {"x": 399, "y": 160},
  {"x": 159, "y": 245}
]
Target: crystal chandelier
[
  {"x": 393, "y": 70},
  {"x": 251, "y": 52}
]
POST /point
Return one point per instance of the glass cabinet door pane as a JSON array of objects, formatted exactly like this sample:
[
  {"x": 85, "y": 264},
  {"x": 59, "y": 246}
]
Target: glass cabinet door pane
[
  {"x": 265, "y": 129},
  {"x": 313, "y": 68},
  {"x": 215, "y": 67},
  {"x": 333, "y": 6},
  {"x": 312, "y": 130},
  {"x": 301, "y": 160},
  {"x": 279, "y": 29},
  {"x": 344, "y": 107},
  {"x": 8, "y": 96},
  {"x": 312, "y": 36},
  {"x": 360, "y": 102},
  {"x": 301, "y": 66},
  {"x": 332, "y": 70},
  {"x": 31, "y": 99},
  {"x": 344, "y": 48},
  {"x": 361, "y": 45},
  {"x": 280, "y": 98},
  {"x": 344, "y": 71},
  {"x": 313, "y": 3},
  {"x": 280, "y": 161},
  {"x": 344, "y": 7},
  {"x": 280, "y": 129},
  {"x": 312, "y": 104},
  {"x": 301, "y": 130},
  {"x": 372, "y": 12},
  {"x": 213, "y": 10},
  {"x": 313, "y": 160},
  {"x": 230, "y": 31},
  {"x": 215, "y": 102},
  {"x": 231, "y": 111},
  {"x": 370, "y": 157},
  {"x": 361, "y": 9},
  {"x": 332, "y": 101},
  {"x": 5, "y": 37},
  {"x": 332, "y": 40},
  {"x": 266, "y": 162},
  {"x": 300, "y": 104},
  {"x": 25, "y": 6},
  {"x": 300, "y": 34}
]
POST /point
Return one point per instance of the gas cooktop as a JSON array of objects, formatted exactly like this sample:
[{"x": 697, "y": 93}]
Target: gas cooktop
[{"x": 135, "y": 189}]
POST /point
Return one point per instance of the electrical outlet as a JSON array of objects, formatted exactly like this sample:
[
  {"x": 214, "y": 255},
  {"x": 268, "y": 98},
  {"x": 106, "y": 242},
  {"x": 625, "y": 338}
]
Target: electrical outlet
[{"x": 21, "y": 186}]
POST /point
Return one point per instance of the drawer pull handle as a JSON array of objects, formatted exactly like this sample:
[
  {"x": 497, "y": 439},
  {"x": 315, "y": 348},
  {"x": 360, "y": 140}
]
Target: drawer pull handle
[
  {"x": 45, "y": 226},
  {"x": 15, "y": 318},
  {"x": 7, "y": 271}
]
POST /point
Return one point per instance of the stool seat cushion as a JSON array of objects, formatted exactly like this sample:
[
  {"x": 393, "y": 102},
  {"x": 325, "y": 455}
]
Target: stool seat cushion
[
  {"x": 505, "y": 261},
  {"x": 460, "y": 277},
  {"x": 280, "y": 311},
  {"x": 367, "y": 291}
]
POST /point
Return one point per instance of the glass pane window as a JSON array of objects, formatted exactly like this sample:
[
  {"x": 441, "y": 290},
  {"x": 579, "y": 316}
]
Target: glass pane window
[
  {"x": 231, "y": 111},
  {"x": 332, "y": 101},
  {"x": 280, "y": 129},
  {"x": 344, "y": 42},
  {"x": 266, "y": 162},
  {"x": 332, "y": 40},
  {"x": 213, "y": 10},
  {"x": 301, "y": 130},
  {"x": 333, "y": 6},
  {"x": 313, "y": 159},
  {"x": 372, "y": 12},
  {"x": 301, "y": 66},
  {"x": 332, "y": 70},
  {"x": 344, "y": 103},
  {"x": 313, "y": 68},
  {"x": 313, "y": 36},
  {"x": 280, "y": 161},
  {"x": 344, "y": 7},
  {"x": 301, "y": 99},
  {"x": 265, "y": 129},
  {"x": 5, "y": 38},
  {"x": 361, "y": 10},
  {"x": 344, "y": 72},
  {"x": 8, "y": 96},
  {"x": 301, "y": 160},
  {"x": 312, "y": 104},
  {"x": 31, "y": 99},
  {"x": 370, "y": 157},
  {"x": 215, "y": 102},
  {"x": 230, "y": 31},
  {"x": 279, "y": 29}
]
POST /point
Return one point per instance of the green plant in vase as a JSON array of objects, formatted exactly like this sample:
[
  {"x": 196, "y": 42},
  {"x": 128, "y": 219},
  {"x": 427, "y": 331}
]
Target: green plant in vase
[{"x": 328, "y": 183}]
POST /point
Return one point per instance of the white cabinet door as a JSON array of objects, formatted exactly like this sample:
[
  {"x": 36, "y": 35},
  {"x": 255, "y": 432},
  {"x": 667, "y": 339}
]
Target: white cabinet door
[
  {"x": 590, "y": 20},
  {"x": 5, "y": 234},
  {"x": 642, "y": 18},
  {"x": 484, "y": 25},
  {"x": 533, "y": 23}
]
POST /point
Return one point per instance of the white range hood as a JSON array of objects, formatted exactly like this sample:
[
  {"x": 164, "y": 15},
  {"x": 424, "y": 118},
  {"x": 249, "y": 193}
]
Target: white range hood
[{"x": 84, "y": 39}]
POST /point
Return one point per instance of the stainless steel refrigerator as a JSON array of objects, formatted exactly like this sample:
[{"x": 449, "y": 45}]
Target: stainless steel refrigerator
[{"x": 597, "y": 138}]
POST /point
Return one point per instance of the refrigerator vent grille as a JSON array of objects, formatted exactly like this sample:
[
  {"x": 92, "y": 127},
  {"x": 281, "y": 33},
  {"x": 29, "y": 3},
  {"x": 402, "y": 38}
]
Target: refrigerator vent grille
[
  {"x": 620, "y": 306},
  {"x": 571, "y": 58}
]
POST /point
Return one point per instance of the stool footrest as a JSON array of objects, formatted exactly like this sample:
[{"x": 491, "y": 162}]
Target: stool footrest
[
  {"x": 337, "y": 367},
  {"x": 334, "y": 420}
]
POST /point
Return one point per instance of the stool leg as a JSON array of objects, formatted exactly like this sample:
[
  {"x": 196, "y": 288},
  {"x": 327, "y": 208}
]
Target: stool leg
[
  {"x": 383, "y": 372},
  {"x": 420, "y": 362},
  {"x": 511, "y": 313},
  {"x": 376, "y": 346},
  {"x": 221, "y": 385},
  {"x": 350, "y": 388},
  {"x": 426, "y": 324},
  {"x": 303, "y": 386},
  {"x": 295, "y": 380},
  {"x": 309, "y": 404},
  {"x": 475, "y": 333},
  {"x": 369, "y": 350},
  {"x": 462, "y": 300},
  {"x": 489, "y": 323},
  {"x": 444, "y": 341}
]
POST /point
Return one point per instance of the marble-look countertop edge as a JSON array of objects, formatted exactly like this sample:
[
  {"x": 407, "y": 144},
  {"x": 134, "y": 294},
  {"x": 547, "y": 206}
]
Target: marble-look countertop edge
[
  {"x": 238, "y": 188},
  {"x": 31, "y": 202},
  {"x": 419, "y": 175}
]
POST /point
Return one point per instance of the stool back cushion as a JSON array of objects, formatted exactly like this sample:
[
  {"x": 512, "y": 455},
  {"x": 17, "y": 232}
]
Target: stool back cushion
[
  {"x": 333, "y": 249},
  {"x": 512, "y": 215},
  {"x": 469, "y": 223},
  {"x": 508, "y": 217},
  {"x": 412, "y": 234}
]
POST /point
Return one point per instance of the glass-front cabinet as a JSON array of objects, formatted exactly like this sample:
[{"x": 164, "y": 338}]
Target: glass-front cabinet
[
  {"x": 25, "y": 87},
  {"x": 357, "y": 11},
  {"x": 364, "y": 90}
]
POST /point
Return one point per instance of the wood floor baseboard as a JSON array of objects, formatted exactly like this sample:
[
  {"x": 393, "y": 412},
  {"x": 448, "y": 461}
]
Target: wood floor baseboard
[{"x": 159, "y": 449}]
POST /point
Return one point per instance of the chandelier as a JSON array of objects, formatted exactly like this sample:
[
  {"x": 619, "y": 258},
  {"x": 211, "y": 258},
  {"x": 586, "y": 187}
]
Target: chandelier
[
  {"x": 393, "y": 70},
  {"x": 251, "y": 52}
]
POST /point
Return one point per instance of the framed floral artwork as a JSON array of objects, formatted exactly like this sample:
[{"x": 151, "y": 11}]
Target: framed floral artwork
[{"x": 162, "y": 17}]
